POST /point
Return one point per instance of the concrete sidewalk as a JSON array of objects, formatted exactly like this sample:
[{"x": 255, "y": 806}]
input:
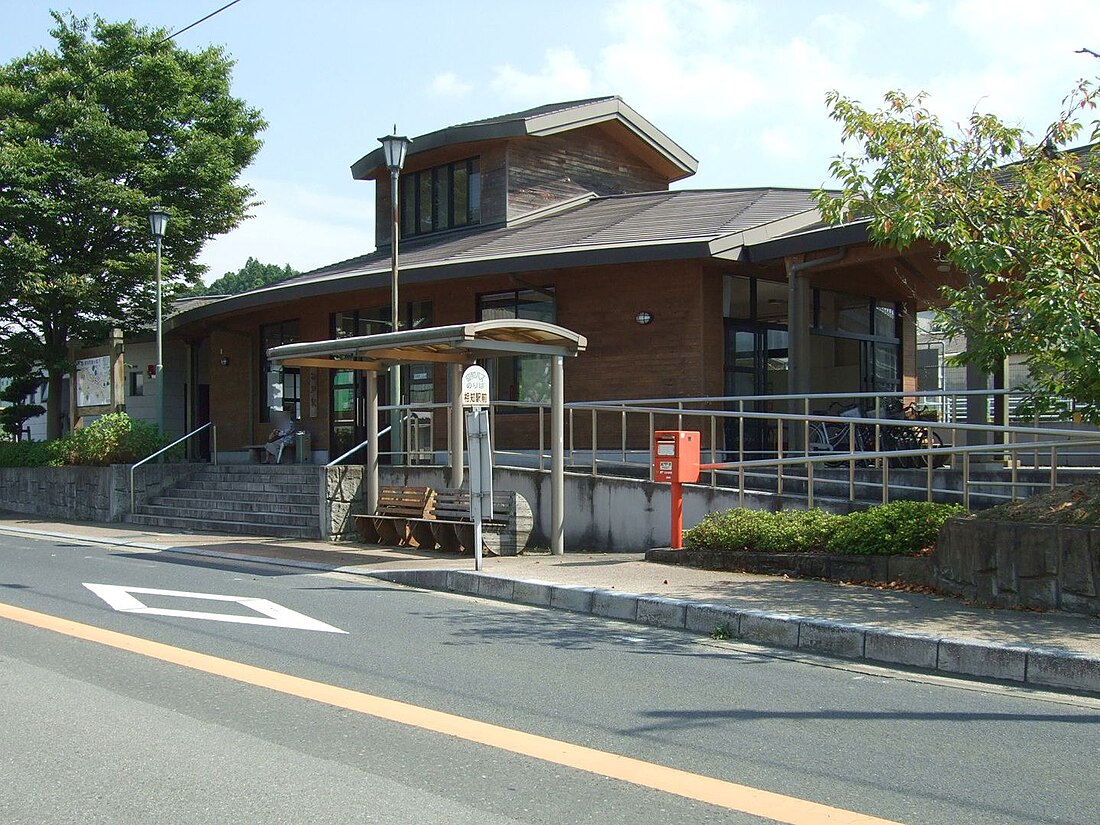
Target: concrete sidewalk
[{"x": 931, "y": 633}]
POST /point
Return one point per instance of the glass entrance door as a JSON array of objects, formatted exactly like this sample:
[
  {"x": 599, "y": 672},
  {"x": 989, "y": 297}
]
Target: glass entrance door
[
  {"x": 756, "y": 364},
  {"x": 349, "y": 413}
]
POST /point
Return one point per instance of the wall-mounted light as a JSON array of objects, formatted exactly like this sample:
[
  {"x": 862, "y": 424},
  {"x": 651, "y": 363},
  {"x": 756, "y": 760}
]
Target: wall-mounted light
[
  {"x": 225, "y": 360},
  {"x": 644, "y": 317}
]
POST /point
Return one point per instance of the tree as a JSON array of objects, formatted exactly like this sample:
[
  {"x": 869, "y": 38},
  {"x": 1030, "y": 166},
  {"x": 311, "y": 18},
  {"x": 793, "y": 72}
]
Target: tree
[
  {"x": 115, "y": 120},
  {"x": 1018, "y": 216},
  {"x": 252, "y": 275}
]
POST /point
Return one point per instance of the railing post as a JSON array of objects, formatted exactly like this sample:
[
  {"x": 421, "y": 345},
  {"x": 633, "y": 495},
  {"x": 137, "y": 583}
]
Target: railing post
[
  {"x": 851, "y": 461},
  {"x": 713, "y": 448},
  {"x": 806, "y": 425},
  {"x": 966, "y": 480},
  {"x": 214, "y": 443},
  {"x": 809, "y": 483},
  {"x": 779, "y": 455},
  {"x": 594, "y": 471},
  {"x": 740, "y": 430},
  {"x": 929, "y": 464},
  {"x": 542, "y": 435},
  {"x": 624, "y": 434}
]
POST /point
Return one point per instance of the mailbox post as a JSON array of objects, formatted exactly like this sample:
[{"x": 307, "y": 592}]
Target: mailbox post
[{"x": 676, "y": 460}]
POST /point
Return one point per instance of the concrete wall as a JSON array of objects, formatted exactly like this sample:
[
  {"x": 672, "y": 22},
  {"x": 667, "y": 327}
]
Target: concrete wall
[
  {"x": 84, "y": 493},
  {"x": 610, "y": 514}
]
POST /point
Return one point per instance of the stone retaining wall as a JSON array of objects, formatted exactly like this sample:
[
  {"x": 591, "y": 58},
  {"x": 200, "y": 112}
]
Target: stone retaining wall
[
  {"x": 1012, "y": 564},
  {"x": 84, "y": 493}
]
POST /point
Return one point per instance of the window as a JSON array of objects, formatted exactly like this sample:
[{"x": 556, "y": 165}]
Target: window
[
  {"x": 282, "y": 387},
  {"x": 525, "y": 377},
  {"x": 865, "y": 330},
  {"x": 136, "y": 384},
  {"x": 445, "y": 197}
]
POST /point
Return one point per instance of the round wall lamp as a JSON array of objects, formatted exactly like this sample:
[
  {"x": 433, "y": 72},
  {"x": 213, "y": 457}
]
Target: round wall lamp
[
  {"x": 644, "y": 317},
  {"x": 225, "y": 360}
]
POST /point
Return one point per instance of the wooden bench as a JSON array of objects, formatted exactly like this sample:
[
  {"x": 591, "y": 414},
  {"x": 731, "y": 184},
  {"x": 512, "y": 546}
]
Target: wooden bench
[
  {"x": 426, "y": 518},
  {"x": 402, "y": 518},
  {"x": 504, "y": 534},
  {"x": 257, "y": 453}
]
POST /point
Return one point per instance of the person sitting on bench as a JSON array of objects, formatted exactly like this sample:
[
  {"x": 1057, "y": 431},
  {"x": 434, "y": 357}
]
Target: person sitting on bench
[{"x": 281, "y": 436}]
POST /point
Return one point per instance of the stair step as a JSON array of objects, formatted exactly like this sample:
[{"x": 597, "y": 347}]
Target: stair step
[
  {"x": 205, "y": 525},
  {"x": 248, "y": 486},
  {"x": 274, "y": 504},
  {"x": 258, "y": 517},
  {"x": 229, "y": 500}
]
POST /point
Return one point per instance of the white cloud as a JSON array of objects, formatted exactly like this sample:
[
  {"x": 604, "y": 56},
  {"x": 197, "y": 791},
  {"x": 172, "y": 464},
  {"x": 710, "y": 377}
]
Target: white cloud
[
  {"x": 908, "y": 9},
  {"x": 448, "y": 84},
  {"x": 297, "y": 225},
  {"x": 561, "y": 77}
]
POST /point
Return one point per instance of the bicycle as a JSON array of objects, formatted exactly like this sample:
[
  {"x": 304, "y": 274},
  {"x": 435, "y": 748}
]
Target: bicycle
[
  {"x": 834, "y": 436},
  {"x": 907, "y": 438}
]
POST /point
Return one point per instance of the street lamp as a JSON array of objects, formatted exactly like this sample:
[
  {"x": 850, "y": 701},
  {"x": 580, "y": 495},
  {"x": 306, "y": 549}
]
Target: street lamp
[
  {"x": 395, "y": 147},
  {"x": 158, "y": 220}
]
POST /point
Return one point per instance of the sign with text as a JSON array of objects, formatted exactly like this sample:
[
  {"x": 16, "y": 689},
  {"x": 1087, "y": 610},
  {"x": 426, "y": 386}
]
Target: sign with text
[{"x": 475, "y": 387}]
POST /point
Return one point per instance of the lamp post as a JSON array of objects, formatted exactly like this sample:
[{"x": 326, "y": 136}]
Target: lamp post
[
  {"x": 158, "y": 220},
  {"x": 395, "y": 147}
]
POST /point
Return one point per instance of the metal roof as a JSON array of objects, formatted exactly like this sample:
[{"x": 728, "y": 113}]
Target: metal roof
[
  {"x": 667, "y": 225},
  {"x": 538, "y": 122},
  {"x": 459, "y": 343}
]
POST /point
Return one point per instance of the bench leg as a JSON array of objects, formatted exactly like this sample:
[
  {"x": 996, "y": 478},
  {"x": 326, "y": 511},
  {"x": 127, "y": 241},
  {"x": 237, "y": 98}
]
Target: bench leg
[
  {"x": 445, "y": 537},
  {"x": 421, "y": 535}
]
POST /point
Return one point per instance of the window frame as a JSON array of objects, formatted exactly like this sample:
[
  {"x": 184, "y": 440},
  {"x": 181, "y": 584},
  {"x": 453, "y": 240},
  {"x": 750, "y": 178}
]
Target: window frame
[{"x": 419, "y": 218}]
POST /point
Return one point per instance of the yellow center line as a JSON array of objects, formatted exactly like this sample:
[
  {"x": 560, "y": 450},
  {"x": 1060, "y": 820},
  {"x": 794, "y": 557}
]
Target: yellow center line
[{"x": 730, "y": 795}]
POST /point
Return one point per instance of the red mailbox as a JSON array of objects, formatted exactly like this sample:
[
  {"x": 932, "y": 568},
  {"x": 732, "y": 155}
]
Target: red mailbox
[
  {"x": 676, "y": 460},
  {"x": 676, "y": 456}
]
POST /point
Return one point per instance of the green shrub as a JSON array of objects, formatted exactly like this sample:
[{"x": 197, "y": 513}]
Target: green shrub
[
  {"x": 112, "y": 439},
  {"x": 115, "y": 438},
  {"x": 784, "y": 531},
  {"x": 29, "y": 454},
  {"x": 902, "y": 527}
]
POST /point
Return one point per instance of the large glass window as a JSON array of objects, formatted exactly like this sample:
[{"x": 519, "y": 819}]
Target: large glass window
[
  {"x": 444, "y": 197},
  {"x": 282, "y": 386},
  {"x": 526, "y": 377},
  {"x": 863, "y": 331}
]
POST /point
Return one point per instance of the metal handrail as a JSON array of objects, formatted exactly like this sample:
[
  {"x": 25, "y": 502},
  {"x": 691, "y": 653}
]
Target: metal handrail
[
  {"x": 162, "y": 450},
  {"x": 366, "y": 441}
]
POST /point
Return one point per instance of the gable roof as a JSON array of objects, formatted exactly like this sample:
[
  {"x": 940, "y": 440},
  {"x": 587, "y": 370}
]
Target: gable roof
[
  {"x": 693, "y": 224},
  {"x": 541, "y": 121}
]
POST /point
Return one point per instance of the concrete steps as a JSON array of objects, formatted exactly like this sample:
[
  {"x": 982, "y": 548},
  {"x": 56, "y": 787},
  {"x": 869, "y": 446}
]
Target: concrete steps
[{"x": 249, "y": 499}]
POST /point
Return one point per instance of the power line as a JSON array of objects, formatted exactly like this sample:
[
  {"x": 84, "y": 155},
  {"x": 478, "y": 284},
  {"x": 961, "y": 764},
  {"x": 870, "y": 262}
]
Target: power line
[{"x": 197, "y": 22}]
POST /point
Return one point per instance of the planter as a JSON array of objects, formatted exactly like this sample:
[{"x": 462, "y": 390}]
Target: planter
[{"x": 915, "y": 570}]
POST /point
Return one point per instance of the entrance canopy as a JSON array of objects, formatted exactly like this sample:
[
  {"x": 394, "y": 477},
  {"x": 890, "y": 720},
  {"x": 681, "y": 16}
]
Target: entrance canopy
[{"x": 455, "y": 346}]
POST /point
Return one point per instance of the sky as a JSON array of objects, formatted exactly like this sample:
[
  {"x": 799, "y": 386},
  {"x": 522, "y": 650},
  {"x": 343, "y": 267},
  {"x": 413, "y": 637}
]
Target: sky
[{"x": 740, "y": 84}]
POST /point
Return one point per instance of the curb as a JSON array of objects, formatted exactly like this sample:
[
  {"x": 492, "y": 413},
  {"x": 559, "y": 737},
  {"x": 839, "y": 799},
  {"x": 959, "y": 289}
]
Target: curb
[{"x": 1034, "y": 666}]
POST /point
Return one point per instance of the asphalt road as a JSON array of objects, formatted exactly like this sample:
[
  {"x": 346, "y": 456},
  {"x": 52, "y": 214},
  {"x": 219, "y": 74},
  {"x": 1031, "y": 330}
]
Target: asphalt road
[{"x": 93, "y": 733}]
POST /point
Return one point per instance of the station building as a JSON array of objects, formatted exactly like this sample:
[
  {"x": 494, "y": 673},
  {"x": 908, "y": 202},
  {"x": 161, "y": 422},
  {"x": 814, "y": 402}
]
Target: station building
[{"x": 565, "y": 213}]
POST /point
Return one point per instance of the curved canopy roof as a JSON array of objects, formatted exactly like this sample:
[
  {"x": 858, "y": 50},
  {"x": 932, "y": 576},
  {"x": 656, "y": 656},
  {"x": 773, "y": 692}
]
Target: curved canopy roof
[{"x": 459, "y": 343}]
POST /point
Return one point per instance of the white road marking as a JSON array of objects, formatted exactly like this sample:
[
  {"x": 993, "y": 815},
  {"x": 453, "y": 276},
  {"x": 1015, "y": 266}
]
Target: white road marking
[{"x": 273, "y": 615}]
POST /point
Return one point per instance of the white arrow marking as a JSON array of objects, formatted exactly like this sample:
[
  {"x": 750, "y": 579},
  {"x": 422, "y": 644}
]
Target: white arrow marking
[{"x": 273, "y": 615}]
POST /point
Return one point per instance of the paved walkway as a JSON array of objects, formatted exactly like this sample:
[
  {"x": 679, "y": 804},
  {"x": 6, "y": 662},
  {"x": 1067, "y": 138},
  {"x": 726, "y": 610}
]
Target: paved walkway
[{"x": 933, "y": 633}]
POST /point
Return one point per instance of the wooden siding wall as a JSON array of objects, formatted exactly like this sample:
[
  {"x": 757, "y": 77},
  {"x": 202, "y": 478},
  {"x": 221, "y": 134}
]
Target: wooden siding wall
[
  {"x": 548, "y": 170},
  {"x": 522, "y": 176}
]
